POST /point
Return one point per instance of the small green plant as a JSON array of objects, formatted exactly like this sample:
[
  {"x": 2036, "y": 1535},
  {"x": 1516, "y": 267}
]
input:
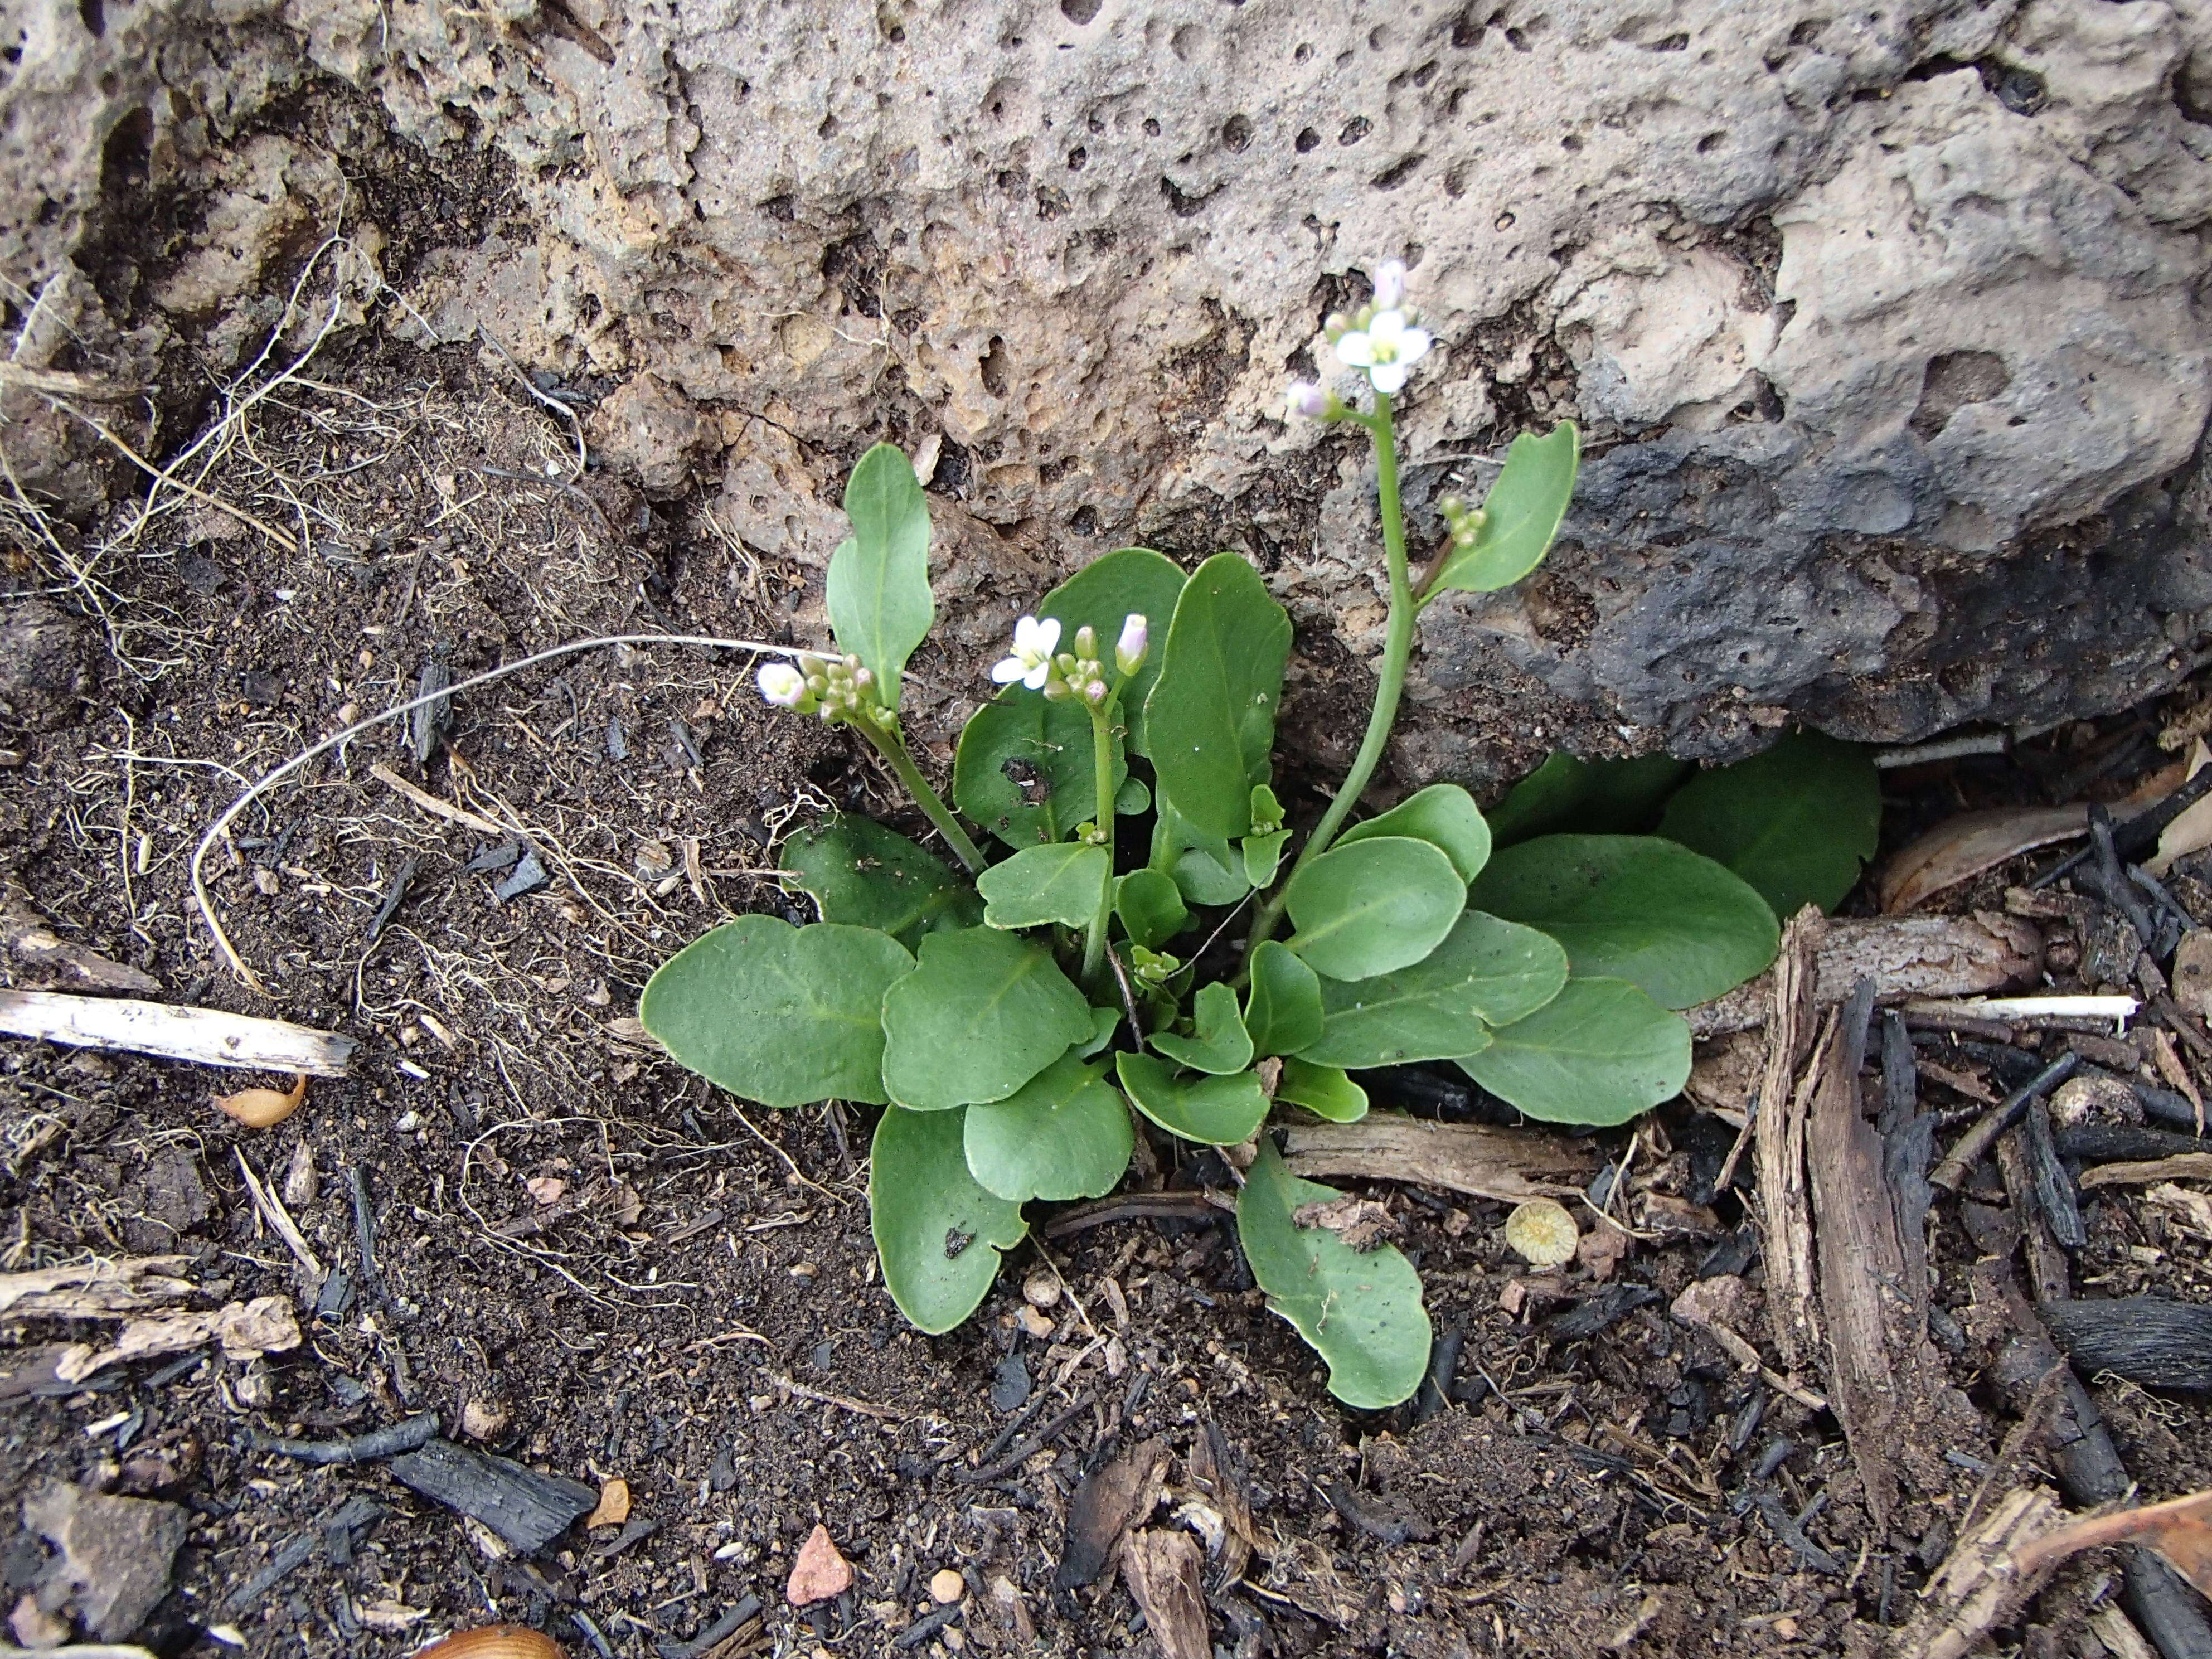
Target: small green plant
[{"x": 1008, "y": 1016}]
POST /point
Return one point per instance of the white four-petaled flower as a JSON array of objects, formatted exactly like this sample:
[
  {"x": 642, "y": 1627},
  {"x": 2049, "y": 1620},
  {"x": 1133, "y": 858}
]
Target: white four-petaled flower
[
  {"x": 1031, "y": 662},
  {"x": 1136, "y": 639},
  {"x": 1386, "y": 348},
  {"x": 782, "y": 684}
]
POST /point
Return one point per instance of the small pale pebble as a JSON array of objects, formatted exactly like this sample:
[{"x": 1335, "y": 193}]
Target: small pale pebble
[
  {"x": 1034, "y": 1322},
  {"x": 1041, "y": 1289},
  {"x": 947, "y": 1587}
]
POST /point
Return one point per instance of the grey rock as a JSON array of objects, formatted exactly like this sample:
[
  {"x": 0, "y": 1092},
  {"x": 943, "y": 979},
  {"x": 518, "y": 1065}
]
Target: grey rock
[
  {"x": 115, "y": 1555},
  {"x": 1882, "y": 324},
  {"x": 43, "y": 672}
]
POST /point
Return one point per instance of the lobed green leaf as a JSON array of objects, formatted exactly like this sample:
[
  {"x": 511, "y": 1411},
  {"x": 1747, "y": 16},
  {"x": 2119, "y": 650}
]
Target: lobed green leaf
[
  {"x": 1601, "y": 797},
  {"x": 939, "y": 1232},
  {"x": 1217, "y": 1111},
  {"x": 982, "y": 1013},
  {"x": 1023, "y": 769},
  {"x": 1220, "y": 1045},
  {"x": 1209, "y": 718},
  {"x": 1443, "y": 815},
  {"x": 1063, "y": 1134},
  {"x": 1598, "y": 1053},
  {"x": 1487, "y": 972},
  {"x": 1150, "y": 907},
  {"x": 1283, "y": 1008},
  {"x": 877, "y": 590},
  {"x": 1636, "y": 908},
  {"x": 1374, "y": 906},
  {"x": 1064, "y": 882},
  {"x": 856, "y": 870},
  {"x": 786, "y": 1016},
  {"x": 1324, "y": 1091}
]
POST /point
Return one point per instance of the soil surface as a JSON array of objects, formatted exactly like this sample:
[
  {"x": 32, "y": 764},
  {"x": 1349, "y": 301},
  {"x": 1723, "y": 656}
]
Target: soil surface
[{"x": 580, "y": 1257}]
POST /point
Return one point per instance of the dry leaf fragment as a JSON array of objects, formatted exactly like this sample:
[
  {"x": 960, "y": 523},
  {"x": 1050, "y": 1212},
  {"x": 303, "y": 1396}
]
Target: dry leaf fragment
[
  {"x": 1962, "y": 848},
  {"x": 246, "y": 1330},
  {"x": 614, "y": 1504},
  {"x": 2192, "y": 832},
  {"x": 2179, "y": 1529},
  {"x": 263, "y": 1108},
  {"x": 546, "y": 1189},
  {"x": 1361, "y": 1223}
]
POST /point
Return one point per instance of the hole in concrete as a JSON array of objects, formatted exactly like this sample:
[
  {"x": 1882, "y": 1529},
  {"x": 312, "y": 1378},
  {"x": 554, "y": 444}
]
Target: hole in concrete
[
  {"x": 1236, "y": 132},
  {"x": 991, "y": 366},
  {"x": 1307, "y": 140},
  {"x": 1079, "y": 12}
]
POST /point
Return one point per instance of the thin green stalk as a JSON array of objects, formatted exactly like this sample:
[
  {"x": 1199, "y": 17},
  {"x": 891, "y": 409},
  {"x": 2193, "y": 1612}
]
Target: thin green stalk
[
  {"x": 891, "y": 743},
  {"x": 1102, "y": 768},
  {"x": 1390, "y": 680}
]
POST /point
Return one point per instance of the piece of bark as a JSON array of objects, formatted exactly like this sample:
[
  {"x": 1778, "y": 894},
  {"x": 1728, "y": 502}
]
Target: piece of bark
[
  {"x": 1981, "y": 1583},
  {"x": 1785, "y": 1227},
  {"x": 1111, "y": 1499},
  {"x": 1509, "y": 1165},
  {"x": 1161, "y": 1569},
  {"x": 527, "y": 1510},
  {"x": 2180, "y": 1529},
  {"x": 1908, "y": 957},
  {"x": 246, "y": 1330},
  {"x": 2096, "y": 1144},
  {"x": 2192, "y": 972},
  {"x": 26, "y": 936},
  {"x": 2150, "y": 1339},
  {"x": 116, "y": 1554},
  {"x": 95, "y": 1289},
  {"x": 207, "y": 1035},
  {"x": 1877, "y": 1380},
  {"x": 1213, "y": 1477}
]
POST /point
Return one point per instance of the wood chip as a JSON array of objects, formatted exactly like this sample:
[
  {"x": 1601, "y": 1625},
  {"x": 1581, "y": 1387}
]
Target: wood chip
[
  {"x": 2179, "y": 1529},
  {"x": 614, "y": 1504},
  {"x": 1785, "y": 1226},
  {"x": 1111, "y": 1499},
  {"x": 2192, "y": 972},
  {"x": 1982, "y": 1581},
  {"x": 95, "y": 1289},
  {"x": 26, "y": 936},
  {"x": 246, "y": 1330},
  {"x": 1162, "y": 1570}
]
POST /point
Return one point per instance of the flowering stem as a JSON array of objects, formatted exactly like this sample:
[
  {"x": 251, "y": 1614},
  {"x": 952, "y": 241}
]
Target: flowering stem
[
  {"x": 1102, "y": 763},
  {"x": 1390, "y": 680},
  {"x": 891, "y": 743}
]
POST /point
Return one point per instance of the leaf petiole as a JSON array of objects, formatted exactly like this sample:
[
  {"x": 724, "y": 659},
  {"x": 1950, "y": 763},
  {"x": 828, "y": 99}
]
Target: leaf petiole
[{"x": 891, "y": 743}]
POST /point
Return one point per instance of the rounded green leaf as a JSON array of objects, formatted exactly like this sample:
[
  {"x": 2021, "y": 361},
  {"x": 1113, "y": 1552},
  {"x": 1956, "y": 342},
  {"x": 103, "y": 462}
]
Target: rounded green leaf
[
  {"x": 1283, "y": 1009},
  {"x": 1220, "y": 1044},
  {"x": 1796, "y": 822},
  {"x": 1600, "y": 1052},
  {"x": 1065, "y": 1134},
  {"x": 1211, "y": 715},
  {"x": 877, "y": 590},
  {"x": 1374, "y": 906},
  {"x": 1603, "y": 796},
  {"x": 1023, "y": 768},
  {"x": 1064, "y": 882},
  {"x": 1205, "y": 868},
  {"x": 1263, "y": 855},
  {"x": 1485, "y": 973},
  {"x": 1150, "y": 907},
  {"x": 1636, "y": 908},
  {"x": 782, "y": 1015},
  {"x": 1100, "y": 596},
  {"x": 856, "y": 870},
  {"x": 938, "y": 1229},
  {"x": 1133, "y": 797},
  {"x": 983, "y": 1013},
  {"x": 1219, "y": 1111},
  {"x": 1104, "y": 1021},
  {"x": 1521, "y": 513},
  {"x": 1443, "y": 815},
  {"x": 1360, "y": 1310},
  {"x": 1324, "y": 1091}
]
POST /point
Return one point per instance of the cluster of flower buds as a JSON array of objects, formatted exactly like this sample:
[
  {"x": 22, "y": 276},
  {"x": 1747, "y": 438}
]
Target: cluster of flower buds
[
  {"x": 1383, "y": 338},
  {"x": 1152, "y": 969},
  {"x": 835, "y": 687},
  {"x": 1076, "y": 674},
  {"x": 1465, "y": 522}
]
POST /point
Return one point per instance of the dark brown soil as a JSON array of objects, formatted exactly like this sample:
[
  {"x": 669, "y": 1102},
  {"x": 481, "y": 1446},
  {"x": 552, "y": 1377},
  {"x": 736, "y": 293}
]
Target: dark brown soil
[{"x": 694, "y": 1306}]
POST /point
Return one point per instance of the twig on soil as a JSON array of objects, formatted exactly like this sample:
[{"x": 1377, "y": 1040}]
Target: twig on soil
[
  {"x": 825, "y": 1397},
  {"x": 1975, "y": 1143},
  {"x": 1028, "y": 1447},
  {"x": 206, "y": 1035},
  {"x": 280, "y": 1219},
  {"x": 269, "y": 779},
  {"x": 1138, "y": 1206},
  {"x": 409, "y": 1434},
  {"x": 431, "y": 804}
]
